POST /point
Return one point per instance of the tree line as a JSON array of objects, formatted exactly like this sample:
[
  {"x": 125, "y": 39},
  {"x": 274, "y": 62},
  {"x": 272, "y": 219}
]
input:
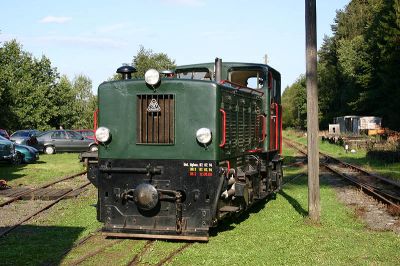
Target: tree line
[
  {"x": 358, "y": 67},
  {"x": 33, "y": 95}
]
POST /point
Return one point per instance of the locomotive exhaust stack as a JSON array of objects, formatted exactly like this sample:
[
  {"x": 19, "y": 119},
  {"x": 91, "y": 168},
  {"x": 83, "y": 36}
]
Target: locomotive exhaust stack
[{"x": 126, "y": 71}]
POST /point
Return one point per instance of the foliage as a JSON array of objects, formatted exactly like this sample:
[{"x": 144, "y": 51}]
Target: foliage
[
  {"x": 358, "y": 65},
  {"x": 33, "y": 95},
  {"x": 294, "y": 103},
  {"x": 146, "y": 59}
]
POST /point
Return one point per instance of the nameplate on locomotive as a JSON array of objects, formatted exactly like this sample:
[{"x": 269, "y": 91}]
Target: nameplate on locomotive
[
  {"x": 153, "y": 106},
  {"x": 199, "y": 169}
]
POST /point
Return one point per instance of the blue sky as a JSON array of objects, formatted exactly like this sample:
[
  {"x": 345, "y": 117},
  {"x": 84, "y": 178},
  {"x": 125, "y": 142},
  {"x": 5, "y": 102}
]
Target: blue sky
[{"x": 95, "y": 37}]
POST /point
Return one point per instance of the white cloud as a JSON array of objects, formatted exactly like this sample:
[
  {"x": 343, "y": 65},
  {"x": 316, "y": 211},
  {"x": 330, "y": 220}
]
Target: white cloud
[{"x": 53, "y": 19}]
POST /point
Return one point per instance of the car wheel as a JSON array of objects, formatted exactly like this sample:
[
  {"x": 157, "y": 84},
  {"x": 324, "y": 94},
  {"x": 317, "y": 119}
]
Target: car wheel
[
  {"x": 49, "y": 150},
  {"x": 93, "y": 148},
  {"x": 18, "y": 158}
]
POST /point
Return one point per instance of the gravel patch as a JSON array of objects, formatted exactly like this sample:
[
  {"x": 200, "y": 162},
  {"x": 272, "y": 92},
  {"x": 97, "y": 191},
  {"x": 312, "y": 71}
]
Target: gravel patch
[
  {"x": 373, "y": 213},
  {"x": 12, "y": 214}
]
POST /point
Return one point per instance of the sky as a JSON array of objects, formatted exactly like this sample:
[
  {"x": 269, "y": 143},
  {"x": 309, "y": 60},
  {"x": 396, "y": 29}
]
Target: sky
[{"x": 94, "y": 38}]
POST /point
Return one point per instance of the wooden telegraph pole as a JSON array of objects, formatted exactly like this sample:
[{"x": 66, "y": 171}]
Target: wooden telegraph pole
[{"x": 314, "y": 208}]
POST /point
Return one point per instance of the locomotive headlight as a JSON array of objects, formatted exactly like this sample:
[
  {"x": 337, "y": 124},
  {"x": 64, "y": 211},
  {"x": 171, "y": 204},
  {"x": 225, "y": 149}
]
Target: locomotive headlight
[
  {"x": 103, "y": 134},
  {"x": 152, "y": 77},
  {"x": 204, "y": 135}
]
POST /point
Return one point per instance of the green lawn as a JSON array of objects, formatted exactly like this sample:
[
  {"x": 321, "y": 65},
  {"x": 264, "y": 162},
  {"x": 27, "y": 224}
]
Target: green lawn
[
  {"x": 272, "y": 233},
  {"x": 46, "y": 169},
  {"x": 359, "y": 157}
]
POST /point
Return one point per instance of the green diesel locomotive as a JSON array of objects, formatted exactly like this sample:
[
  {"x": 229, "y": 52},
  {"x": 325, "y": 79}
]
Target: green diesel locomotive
[{"x": 180, "y": 150}]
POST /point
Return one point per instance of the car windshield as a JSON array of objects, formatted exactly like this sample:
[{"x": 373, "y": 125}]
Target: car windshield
[{"x": 20, "y": 134}]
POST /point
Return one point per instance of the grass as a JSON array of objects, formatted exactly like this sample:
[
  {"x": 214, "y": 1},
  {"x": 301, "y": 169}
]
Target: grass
[
  {"x": 276, "y": 232},
  {"x": 391, "y": 170},
  {"x": 46, "y": 169}
]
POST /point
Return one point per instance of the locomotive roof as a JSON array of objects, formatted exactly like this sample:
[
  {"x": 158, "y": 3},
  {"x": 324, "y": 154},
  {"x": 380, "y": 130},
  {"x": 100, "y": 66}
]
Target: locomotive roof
[{"x": 226, "y": 66}]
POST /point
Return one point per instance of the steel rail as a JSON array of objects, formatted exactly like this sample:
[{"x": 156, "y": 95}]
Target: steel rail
[
  {"x": 18, "y": 196},
  {"x": 95, "y": 252},
  {"x": 173, "y": 254},
  {"x": 42, "y": 209},
  {"x": 136, "y": 258},
  {"x": 82, "y": 241},
  {"x": 375, "y": 191}
]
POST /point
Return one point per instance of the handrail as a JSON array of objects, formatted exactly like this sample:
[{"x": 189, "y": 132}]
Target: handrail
[
  {"x": 276, "y": 124},
  {"x": 269, "y": 80},
  {"x": 223, "y": 128},
  {"x": 241, "y": 87}
]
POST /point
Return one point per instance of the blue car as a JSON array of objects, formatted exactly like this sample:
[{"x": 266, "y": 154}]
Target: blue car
[
  {"x": 7, "y": 151},
  {"x": 29, "y": 154}
]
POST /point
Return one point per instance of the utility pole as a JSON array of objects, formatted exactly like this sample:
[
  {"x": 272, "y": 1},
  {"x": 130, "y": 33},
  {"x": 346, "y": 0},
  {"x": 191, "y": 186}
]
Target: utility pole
[{"x": 314, "y": 207}]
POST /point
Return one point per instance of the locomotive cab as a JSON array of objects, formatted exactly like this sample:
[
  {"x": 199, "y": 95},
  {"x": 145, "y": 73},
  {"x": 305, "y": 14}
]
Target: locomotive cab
[{"x": 179, "y": 151}]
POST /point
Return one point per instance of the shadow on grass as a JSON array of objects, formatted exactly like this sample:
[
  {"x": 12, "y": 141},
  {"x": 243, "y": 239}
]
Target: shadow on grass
[
  {"x": 10, "y": 172},
  {"x": 37, "y": 245},
  {"x": 228, "y": 223},
  {"x": 295, "y": 204}
]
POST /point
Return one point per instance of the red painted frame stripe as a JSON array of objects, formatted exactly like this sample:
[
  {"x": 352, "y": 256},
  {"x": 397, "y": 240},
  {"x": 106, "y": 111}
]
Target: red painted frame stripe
[
  {"x": 277, "y": 126},
  {"x": 223, "y": 128}
]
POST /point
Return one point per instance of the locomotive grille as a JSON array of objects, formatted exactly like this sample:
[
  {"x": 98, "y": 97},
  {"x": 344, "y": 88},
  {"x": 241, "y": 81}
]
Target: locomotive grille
[
  {"x": 155, "y": 119},
  {"x": 243, "y": 123}
]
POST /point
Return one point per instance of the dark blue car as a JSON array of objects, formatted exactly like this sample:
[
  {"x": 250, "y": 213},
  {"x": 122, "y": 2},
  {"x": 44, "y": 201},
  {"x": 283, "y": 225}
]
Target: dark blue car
[{"x": 16, "y": 153}]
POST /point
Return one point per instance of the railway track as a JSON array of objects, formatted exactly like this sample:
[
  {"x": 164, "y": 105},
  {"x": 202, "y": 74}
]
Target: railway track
[
  {"x": 15, "y": 212},
  {"x": 382, "y": 188},
  {"x": 137, "y": 258}
]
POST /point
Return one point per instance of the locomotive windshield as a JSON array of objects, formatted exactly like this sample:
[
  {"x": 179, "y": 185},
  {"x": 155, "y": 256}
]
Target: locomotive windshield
[
  {"x": 197, "y": 73},
  {"x": 248, "y": 78}
]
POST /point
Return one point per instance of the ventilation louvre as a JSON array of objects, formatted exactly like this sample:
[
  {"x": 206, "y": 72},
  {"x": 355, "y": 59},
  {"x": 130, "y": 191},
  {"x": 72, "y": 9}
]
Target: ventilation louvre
[{"x": 155, "y": 119}]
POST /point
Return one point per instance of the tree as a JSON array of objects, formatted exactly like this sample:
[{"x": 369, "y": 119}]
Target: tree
[
  {"x": 85, "y": 103},
  {"x": 28, "y": 87},
  {"x": 294, "y": 103},
  {"x": 358, "y": 65},
  {"x": 146, "y": 59},
  {"x": 32, "y": 94}
]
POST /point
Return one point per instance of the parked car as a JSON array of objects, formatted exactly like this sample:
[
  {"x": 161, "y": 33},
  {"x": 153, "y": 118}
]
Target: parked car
[
  {"x": 7, "y": 150},
  {"x": 4, "y": 133},
  {"x": 64, "y": 141},
  {"x": 26, "y": 137},
  {"x": 87, "y": 133},
  {"x": 29, "y": 154}
]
